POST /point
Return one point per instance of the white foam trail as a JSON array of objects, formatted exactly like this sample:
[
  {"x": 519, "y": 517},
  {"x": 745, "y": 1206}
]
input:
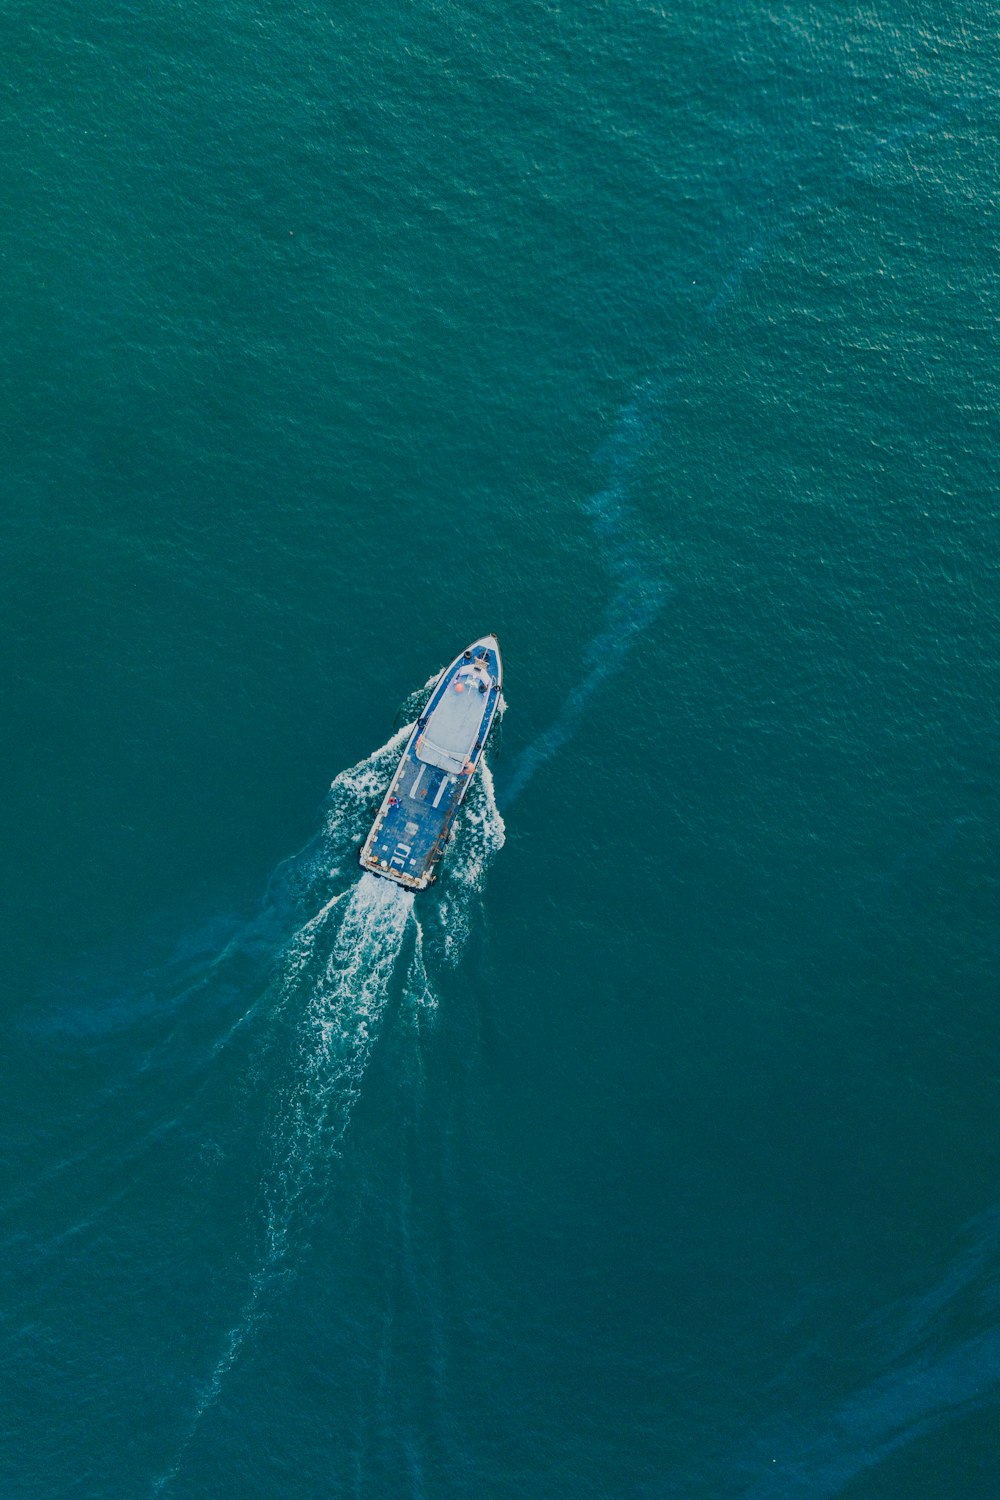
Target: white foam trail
[
  {"x": 344, "y": 1005},
  {"x": 479, "y": 835},
  {"x": 418, "y": 986},
  {"x": 342, "y": 990},
  {"x": 336, "y": 976}
]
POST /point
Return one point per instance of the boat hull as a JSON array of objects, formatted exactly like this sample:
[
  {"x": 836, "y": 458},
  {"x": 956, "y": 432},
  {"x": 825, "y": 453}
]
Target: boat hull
[{"x": 413, "y": 825}]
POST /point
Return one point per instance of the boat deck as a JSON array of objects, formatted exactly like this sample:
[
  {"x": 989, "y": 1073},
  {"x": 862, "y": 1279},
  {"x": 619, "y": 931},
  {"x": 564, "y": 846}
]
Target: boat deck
[{"x": 413, "y": 824}]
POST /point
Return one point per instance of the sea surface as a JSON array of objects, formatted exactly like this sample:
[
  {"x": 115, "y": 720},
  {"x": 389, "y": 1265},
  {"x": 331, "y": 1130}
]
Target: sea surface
[{"x": 654, "y": 1153}]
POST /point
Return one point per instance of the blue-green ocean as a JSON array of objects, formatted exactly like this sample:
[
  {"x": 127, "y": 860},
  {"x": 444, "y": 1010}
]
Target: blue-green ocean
[{"x": 653, "y": 1153}]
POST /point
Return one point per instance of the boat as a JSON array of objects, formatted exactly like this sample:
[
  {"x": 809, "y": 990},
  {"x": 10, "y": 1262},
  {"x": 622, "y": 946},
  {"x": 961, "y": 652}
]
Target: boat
[{"x": 414, "y": 823}]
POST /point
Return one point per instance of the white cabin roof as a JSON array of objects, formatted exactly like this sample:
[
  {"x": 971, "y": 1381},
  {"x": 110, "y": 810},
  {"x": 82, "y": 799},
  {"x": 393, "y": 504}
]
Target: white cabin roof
[{"x": 450, "y": 733}]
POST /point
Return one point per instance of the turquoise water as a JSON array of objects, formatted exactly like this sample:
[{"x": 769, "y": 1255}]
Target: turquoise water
[{"x": 654, "y": 1152}]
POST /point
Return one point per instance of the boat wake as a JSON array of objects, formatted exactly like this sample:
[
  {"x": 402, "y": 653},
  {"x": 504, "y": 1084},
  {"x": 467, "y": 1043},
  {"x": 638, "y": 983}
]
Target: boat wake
[
  {"x": 362, "y": 952},
  {"x": 339, "y": 975}
]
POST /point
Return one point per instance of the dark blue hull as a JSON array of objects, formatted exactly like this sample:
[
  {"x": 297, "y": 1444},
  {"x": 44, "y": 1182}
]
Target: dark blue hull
[{"x": 413, "y": 824}]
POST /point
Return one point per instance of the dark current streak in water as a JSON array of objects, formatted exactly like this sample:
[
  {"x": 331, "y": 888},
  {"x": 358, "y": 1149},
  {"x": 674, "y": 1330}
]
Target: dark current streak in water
[{"x": 638, "y": 586}]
